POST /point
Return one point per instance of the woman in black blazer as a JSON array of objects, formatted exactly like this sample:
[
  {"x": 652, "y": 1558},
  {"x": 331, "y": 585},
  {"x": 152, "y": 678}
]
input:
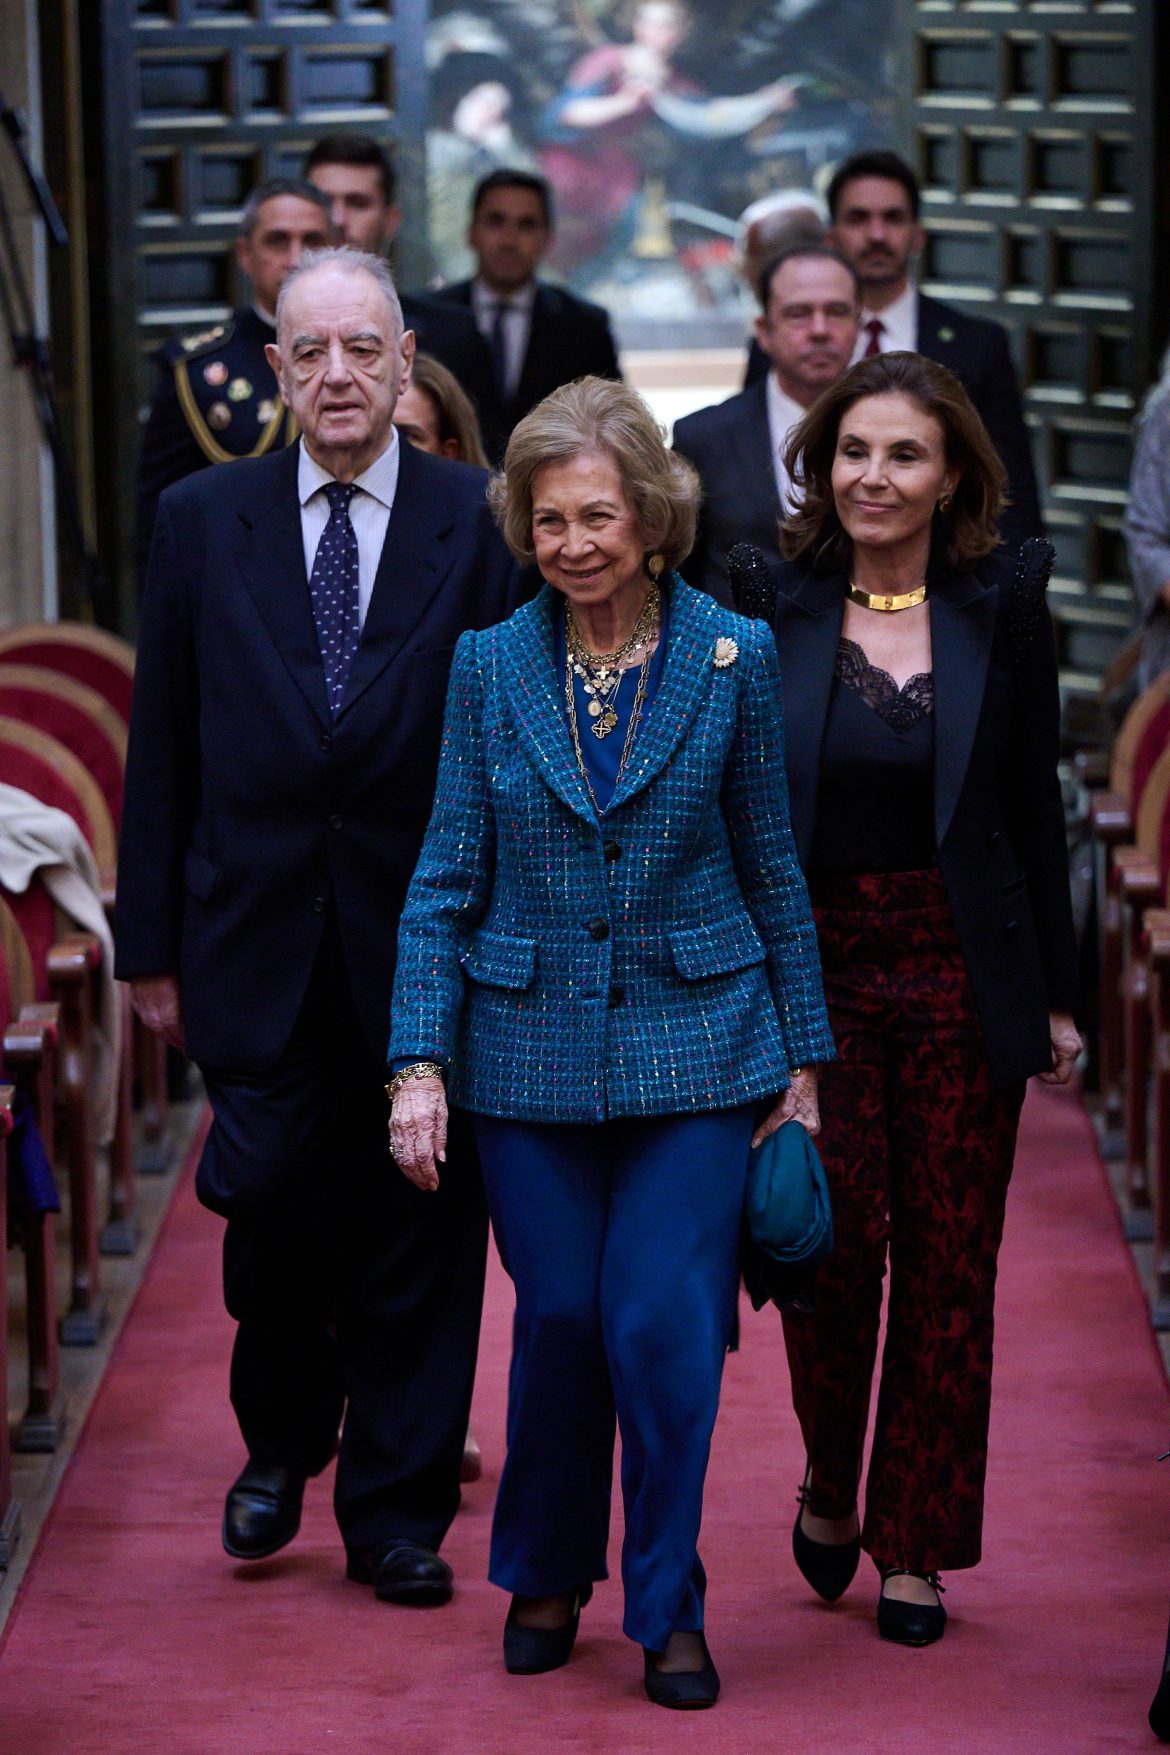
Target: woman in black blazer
[{"x": 922, "y": 720}]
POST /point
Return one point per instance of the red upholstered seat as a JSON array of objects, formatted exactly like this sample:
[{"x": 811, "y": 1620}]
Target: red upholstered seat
[
  {"x": 99, "y": 660},
  {"x": 76, "y": 716}
]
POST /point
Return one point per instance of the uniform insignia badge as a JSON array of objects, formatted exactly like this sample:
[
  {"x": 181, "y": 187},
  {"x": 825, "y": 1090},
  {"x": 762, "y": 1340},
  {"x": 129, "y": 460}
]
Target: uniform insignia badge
[
  {"x": 239, "y": 389},
  {"x": 265, "y": 410},
  {"x": 946, "y": 334},
  {"x": 193, "y": 343},
  {"x": 215, "y": 373},
  {"x": 219, "y": 416}
]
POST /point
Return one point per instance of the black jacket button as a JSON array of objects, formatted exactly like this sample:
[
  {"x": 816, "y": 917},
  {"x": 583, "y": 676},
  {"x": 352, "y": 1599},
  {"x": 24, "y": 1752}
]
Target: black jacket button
[
  {"x": 335, "y": 822},
  {"x": 994, "y": 838},
  {"x": 612, "y": 851},
  {"x": 1012, "y": 926},
  {"x": 617, "y": 993},
  {"x": 318, "y": 904},
  {"x": 325, "y": 741},
  {"x": 599, "y": 928}
]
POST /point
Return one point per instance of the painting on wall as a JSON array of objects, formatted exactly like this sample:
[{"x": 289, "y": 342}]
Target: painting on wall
[{"x": 657, "y": 122}]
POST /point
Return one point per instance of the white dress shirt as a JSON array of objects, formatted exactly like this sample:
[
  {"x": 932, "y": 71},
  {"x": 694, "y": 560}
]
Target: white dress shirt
[
  {"x": 783, "y": 415},
  {"x": 517, "y": 325},
  {"x": 369, "y": 512},
  {"x": 899, "y": 323}
]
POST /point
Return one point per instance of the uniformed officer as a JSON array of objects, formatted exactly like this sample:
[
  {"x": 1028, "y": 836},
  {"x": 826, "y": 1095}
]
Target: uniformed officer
[{"x": 216, "y": 396}]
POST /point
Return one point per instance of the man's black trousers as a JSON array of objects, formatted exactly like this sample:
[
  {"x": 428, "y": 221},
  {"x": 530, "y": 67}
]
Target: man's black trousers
[{"x": 355, "y": 1292}]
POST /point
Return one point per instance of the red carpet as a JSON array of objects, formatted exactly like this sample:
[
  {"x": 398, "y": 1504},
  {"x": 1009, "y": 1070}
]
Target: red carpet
[{"x": 135, "y": 1633}]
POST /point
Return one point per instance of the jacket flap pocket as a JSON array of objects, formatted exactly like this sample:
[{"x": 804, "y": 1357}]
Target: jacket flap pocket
[
  {"x": 496, "y": 960},
  {"x": 716, "y": 949},
  {"x": 199, "y": 875}
]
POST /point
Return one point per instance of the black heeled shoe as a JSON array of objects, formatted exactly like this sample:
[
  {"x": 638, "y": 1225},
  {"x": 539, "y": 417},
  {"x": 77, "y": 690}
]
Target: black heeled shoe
[
  {"x": 828, "y": 1566},
  {"x": 684, "y": 1690},
  {"x": 1160, "y": 1705},
  {"x": 910, "y": 1623},
  {"x": 530, "y": 1651}
]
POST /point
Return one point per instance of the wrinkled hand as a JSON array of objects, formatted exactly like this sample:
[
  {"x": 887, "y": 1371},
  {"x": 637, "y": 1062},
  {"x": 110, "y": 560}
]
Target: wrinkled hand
[
  {"x": 418, "y": 1131},
  {"x": 799, "y": 1103},
  {"x": 155, "y": 999},
  {"x": 1066, "y": 1048}
]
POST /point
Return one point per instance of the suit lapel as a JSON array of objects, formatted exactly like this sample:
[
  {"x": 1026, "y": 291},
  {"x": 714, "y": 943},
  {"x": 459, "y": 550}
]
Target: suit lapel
[
  {"x": 695, "y": 623},
  {"x": 271, "y": 557},
  {"x": 752, "y": 462},
  {"x": 527, "y": 648},
  {"x": 528, "y": 387},
  {"x": 411, "y": 568},
  {"x": 807, "y": 640},
  {"x": 962, "y": 624}
]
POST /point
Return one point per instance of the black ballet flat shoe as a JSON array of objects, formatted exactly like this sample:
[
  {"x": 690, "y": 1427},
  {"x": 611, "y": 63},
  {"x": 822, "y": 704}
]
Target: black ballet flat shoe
[
  {"x": 828, "y": 1566},
  {"x": 262, "y": 1512},
  {"x": 683, "y": 1690},
  {"x": 910, "y": 1623},
  {"x": 531, "y": 1651}
]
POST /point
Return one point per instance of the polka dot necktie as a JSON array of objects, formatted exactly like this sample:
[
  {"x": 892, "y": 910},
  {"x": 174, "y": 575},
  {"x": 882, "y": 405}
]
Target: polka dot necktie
[{"x": 333, "y": 589}]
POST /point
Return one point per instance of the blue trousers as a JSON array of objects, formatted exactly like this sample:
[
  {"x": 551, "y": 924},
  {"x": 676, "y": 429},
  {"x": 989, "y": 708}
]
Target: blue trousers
[{"x": 622, "y": 1240}]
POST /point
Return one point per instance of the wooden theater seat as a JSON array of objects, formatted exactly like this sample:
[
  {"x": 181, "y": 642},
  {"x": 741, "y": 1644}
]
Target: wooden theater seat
[
  {"x": 66, "y": 966},
  {"x": 1143, "y": 735},
  {"x": 29, "y": 1031},
  {"x": 76, "y": 716},
  {"x": 101, "y": 661}
]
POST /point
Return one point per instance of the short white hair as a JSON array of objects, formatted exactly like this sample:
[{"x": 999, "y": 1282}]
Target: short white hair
[{"x": 350, "y": 262}]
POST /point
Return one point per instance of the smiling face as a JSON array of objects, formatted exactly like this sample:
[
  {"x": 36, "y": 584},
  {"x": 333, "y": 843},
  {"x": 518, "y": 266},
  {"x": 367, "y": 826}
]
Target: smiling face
[
  {"x": 809, "y": 325},
  {"x": 341, "y": 366},
  {"x": 586, "y": 535},
  {"x": 889, "y": 470}
]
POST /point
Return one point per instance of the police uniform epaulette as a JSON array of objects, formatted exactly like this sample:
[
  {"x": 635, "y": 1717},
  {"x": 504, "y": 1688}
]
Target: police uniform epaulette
[
  {"x": 227, "y": 391},
  {"x": 217, "y": 336}
]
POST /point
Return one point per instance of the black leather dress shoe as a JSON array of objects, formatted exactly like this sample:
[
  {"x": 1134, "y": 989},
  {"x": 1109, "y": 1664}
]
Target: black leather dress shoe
[
  {"x": 402, "y": 1571},
  {"x": 910, "y": 1623},
  {"x": 262, "y": 1512},
  {"x": 684, "y": 1690},
  {"x": 530, "y": 1651},
  {"x": 828, "y": 1566}
]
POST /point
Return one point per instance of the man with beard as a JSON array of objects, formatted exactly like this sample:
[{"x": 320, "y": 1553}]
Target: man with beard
[{"x": 806, "y": 332}]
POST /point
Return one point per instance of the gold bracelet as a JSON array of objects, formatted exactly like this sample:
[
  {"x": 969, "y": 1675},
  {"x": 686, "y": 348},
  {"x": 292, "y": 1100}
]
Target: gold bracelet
[{"x": 419, "y": 1069}]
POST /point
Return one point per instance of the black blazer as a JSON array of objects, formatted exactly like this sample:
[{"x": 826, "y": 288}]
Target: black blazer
[
  {"x": 999, "y": 820},
  {"x": 977, "y": 351},
  {"x": 250, "y": 816},
  {"x": 730, "y": 445},
  {"x": 453, "y": 338},
  {"x": 569, "y": 338}
]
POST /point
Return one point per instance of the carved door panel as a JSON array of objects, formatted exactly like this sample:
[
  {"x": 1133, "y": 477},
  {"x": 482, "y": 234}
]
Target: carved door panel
[
  {"x": 1031, "y": 127},
  {"x": 201, "y": 100}
]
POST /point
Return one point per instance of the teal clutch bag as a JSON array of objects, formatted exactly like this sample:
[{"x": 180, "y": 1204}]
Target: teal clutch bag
[{"x": 789, "y": 1216}]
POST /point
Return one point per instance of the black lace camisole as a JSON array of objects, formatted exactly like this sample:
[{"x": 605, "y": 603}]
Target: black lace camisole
[{"x": 875, "y": 802}]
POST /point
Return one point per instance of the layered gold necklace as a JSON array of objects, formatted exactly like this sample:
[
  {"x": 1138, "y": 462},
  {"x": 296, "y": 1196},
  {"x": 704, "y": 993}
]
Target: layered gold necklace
[{"x": 601, "y": 674}]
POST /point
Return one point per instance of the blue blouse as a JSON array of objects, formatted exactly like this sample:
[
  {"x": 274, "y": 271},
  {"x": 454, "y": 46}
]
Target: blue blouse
[{"x": 602, "y": 755}]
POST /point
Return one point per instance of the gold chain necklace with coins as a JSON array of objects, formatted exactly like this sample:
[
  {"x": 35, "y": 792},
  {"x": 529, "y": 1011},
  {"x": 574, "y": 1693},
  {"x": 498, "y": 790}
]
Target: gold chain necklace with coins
[{"x": 601, "y": 676}]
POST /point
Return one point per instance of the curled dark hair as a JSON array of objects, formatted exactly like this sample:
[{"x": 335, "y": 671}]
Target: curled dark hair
[{"x": 966, "y": 532}]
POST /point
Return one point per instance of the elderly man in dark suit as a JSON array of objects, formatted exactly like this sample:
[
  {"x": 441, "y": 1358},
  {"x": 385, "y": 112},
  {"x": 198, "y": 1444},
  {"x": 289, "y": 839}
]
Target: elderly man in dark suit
[
  {"x": 540, "y": 336},
  {"x": 874, "y": 204},
  {"x": 806, "y": 332},
  {"x": 300, "y": 617}
]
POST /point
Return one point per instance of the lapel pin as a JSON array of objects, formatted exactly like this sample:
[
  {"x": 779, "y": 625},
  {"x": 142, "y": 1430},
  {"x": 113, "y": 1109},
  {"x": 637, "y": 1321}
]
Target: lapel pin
[
  {"x": 726, "y": 653},
  {"x": 946, "y": 334}
]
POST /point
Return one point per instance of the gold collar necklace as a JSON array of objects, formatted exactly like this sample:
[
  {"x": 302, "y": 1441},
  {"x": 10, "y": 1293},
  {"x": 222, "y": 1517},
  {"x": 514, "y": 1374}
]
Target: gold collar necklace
[{"x": 889, "y": 605}]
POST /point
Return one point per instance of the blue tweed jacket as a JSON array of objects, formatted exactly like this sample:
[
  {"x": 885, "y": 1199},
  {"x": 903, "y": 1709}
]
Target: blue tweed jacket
[{"x": 658, "y": 959}]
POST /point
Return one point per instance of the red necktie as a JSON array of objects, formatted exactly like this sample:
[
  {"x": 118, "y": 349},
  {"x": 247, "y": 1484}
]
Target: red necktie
[{"x": 874, "y": 329}]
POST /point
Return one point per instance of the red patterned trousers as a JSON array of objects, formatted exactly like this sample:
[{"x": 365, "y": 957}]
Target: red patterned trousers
[{"x": 917, "y": 1144}]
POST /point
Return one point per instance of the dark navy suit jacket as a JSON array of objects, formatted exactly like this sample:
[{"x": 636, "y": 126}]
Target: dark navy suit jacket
[{"x": 251, "y": 818}]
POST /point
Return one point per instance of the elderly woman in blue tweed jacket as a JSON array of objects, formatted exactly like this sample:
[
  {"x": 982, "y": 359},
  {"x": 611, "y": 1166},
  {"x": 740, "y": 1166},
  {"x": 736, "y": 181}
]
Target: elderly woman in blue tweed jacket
[{"x": 607, "y": 955}]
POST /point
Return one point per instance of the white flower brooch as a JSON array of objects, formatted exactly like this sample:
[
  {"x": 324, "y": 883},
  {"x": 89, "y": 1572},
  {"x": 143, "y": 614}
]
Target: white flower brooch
[{"x": 726, "y": 653}]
